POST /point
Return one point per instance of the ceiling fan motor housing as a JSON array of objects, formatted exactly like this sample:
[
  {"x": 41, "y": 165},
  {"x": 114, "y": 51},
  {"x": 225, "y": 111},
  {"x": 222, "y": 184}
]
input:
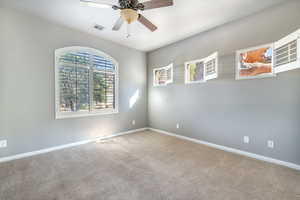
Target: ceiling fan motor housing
[{"x": 131, "y": 4}]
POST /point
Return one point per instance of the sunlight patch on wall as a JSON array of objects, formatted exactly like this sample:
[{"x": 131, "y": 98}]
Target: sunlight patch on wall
[{"x": 134, "y": 98}]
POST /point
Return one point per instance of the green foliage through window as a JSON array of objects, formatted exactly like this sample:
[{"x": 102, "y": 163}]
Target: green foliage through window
[{"x": 86, "y": 82}]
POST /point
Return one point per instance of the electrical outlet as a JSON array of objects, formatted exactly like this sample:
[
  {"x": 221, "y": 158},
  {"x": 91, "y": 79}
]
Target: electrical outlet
[
  {"x": 3, "y": 144},
  {"x": 177, "y": 125},
  {"x": 246, "y": 139},
  {"x": 133, "y": 122},
  {"x": 271, "y": 144}
]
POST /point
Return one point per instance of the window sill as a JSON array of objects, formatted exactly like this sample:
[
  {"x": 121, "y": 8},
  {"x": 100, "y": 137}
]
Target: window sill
[
  {"x": 84, "y": 114},
  {"x": 162, "y": 85}
]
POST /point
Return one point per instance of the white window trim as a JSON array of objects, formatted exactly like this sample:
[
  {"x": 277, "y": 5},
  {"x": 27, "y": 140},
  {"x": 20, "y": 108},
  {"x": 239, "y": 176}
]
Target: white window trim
[
  {"x": 186, "y": 71},
  {"x": 170, "y": 66},
  {"x": 237, "y": 61},
  {"x": 293, "y": 65},
  {"x": 64, "y": 115}
]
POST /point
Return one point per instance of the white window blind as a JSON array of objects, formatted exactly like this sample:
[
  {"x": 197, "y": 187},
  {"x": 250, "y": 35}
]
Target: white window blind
[
  {"x": 103, "y": 83},
  {"x": 86, "y": 82},
  {"x": 211, "y": 66},
  {"x": 74, "y": 82},
  {"x": 287, "y": 53}
]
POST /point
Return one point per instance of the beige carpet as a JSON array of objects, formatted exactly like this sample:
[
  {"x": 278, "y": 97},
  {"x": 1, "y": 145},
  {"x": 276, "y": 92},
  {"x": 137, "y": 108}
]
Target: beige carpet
[{"x": 145, "y": 166}]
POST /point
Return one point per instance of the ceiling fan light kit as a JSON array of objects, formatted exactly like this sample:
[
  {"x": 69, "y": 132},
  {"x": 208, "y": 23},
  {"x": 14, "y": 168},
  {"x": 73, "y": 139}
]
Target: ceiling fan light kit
[
  {"x": 130, "y": 11},
  {"x": 129, "y": 15}
]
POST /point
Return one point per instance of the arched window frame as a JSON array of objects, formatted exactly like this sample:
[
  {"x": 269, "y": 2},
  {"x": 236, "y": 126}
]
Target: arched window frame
[{"x": 91, "y": 112}]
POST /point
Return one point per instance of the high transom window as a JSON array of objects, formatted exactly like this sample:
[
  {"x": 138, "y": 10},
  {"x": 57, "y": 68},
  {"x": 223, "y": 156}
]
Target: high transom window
[{"x": 86, "y": 82}]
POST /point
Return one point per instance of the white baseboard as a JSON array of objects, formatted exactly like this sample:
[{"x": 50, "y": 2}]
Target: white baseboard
[
  {"x": 228, "y": 149},
  {"x": 232, "y": 150},
  {"x": 43, "y": 151}
]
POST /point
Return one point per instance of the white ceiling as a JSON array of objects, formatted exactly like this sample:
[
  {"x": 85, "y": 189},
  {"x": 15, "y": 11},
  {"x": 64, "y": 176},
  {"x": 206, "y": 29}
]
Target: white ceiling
[{"x": 184, "y": 19}]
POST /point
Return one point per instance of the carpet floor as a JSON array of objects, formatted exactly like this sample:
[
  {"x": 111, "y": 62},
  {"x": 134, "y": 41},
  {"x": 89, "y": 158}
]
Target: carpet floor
[{"x": 145, "y": 166}]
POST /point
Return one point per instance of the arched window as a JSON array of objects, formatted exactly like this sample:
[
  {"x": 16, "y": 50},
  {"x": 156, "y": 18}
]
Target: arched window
[{"x": 86, "y": 82}]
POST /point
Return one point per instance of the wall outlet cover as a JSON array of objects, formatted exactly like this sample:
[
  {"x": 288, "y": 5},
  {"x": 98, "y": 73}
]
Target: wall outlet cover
[
  {"x": 133, "y": 122},
  {"x": 177, "y": 126},
  {"x": 246, "y": 139},
  {"x": 271, "y": 144},
  {"x": 3, "y": 143}
]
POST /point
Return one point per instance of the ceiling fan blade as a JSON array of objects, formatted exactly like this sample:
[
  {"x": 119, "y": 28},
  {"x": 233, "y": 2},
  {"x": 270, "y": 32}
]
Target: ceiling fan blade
[
  {"x": 118, "y": 24},
  {"x": 157, "y": 4},
  {"x": 147, "y": 23},
  {"x": 96, "y": 4}
]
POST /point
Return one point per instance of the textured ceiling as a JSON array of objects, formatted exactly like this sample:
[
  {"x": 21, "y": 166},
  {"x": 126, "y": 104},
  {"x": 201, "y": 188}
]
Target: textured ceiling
[{"x": 184, "y": 19}]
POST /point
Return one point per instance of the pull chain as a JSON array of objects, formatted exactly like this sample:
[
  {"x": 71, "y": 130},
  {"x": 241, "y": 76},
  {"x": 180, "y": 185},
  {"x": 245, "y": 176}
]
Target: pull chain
[{"x": 128, "y": 31}]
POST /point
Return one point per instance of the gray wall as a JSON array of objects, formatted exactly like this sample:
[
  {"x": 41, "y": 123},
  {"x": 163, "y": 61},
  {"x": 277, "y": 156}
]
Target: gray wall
[
  {"x": 222, "y": 111},
  {"x": 27, "y": 115}
]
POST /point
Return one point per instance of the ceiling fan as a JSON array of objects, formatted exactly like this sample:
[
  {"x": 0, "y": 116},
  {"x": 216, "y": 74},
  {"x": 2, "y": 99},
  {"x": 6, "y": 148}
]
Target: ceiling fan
[{"x": 130, "y": 10}]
